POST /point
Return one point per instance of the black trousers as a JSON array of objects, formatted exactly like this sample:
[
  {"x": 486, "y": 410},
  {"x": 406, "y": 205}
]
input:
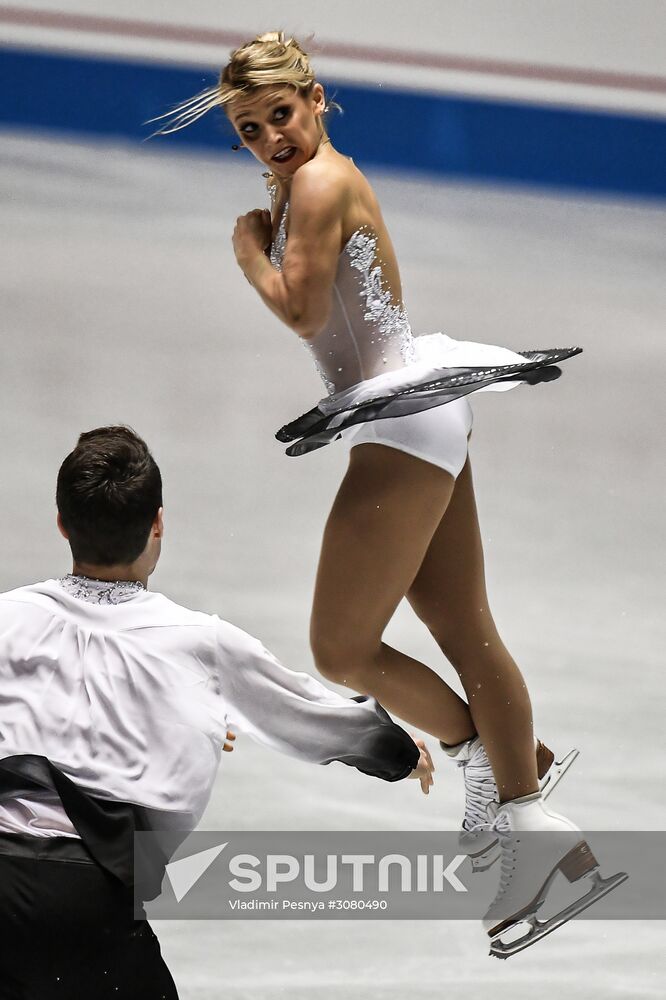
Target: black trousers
[{"x": 67, "y": 928}]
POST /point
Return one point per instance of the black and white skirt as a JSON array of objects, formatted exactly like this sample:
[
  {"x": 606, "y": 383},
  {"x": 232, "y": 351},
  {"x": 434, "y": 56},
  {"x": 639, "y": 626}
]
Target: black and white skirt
[{"x": 444, "y": 370}]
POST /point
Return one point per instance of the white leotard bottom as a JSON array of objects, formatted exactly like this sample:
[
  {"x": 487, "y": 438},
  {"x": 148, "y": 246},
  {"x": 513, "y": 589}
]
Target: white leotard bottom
[{"x": 438, "y": 435}]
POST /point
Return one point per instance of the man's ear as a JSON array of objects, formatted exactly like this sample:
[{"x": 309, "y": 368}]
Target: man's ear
[{"x": 61, "y": 527}]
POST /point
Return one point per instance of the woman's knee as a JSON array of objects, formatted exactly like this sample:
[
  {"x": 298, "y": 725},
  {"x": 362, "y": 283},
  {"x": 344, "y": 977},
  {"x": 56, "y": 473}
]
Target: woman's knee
[
  {"x": 339, "y": 656},
  {"x": 327, "y": 659}
]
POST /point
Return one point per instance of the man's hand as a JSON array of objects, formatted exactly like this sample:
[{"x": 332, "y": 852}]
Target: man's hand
[
  {"x": 424, "y": 768},
  {"x": 231, "y": 737}
]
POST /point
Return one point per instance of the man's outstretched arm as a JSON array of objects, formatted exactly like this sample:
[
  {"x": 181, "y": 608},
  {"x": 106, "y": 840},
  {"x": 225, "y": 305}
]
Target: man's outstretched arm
[{"x": 297, "y": 715}]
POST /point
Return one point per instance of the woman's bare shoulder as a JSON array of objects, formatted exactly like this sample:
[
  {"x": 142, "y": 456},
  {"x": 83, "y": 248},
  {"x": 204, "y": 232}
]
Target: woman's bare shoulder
[{"x": 333, "y": 178}]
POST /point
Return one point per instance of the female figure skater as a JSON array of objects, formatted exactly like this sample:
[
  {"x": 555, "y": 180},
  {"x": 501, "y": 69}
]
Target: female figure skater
[{"x": 404, "y": 522}]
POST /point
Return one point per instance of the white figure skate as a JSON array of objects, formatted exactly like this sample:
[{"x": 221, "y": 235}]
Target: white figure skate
[
  {"x": 476, "y": 838},
  {"x": 535, "y": 845}
]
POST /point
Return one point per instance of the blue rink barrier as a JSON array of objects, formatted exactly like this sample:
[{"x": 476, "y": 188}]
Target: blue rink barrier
[{"x": 461, "y": 137}]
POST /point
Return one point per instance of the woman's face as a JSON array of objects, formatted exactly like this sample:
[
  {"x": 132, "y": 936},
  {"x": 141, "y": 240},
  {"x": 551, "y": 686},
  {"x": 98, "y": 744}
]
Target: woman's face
[{"x": 280, "y": 126}]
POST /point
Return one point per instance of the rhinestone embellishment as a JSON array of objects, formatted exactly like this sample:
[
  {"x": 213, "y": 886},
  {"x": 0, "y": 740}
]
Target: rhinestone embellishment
[
  {"x": 99, "y": 591},
  {"x": 279, "y": 244},
  {"x": 389, "y": 319},
  {"x": 388, "y": 323}
]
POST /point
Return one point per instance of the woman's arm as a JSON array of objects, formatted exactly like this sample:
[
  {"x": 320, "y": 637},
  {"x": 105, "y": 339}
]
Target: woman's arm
[{"x": 300, "y": 294}]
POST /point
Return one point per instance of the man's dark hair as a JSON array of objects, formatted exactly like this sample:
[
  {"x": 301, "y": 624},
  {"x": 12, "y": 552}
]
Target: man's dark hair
[{"x": 109, "y": 491}]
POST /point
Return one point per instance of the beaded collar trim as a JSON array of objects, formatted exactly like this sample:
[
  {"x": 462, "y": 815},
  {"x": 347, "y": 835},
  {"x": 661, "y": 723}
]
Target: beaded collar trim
[{"x": 100, "y": 591}]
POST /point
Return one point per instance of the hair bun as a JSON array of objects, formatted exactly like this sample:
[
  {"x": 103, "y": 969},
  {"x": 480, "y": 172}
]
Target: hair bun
[{"x": 270, "y": 36}]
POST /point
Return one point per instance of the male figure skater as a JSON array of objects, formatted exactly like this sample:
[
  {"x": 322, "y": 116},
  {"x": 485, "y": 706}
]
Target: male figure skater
[{"x": 115, "y": 705}]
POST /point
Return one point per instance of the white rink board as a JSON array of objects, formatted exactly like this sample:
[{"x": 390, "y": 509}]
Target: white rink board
[
  {"x": 524, "y": 38},
  {"x": 613, "y": 35}
]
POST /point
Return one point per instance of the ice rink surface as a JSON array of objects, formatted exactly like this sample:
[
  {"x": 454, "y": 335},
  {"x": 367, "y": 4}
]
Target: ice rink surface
[{"x": 122, "y": 302}]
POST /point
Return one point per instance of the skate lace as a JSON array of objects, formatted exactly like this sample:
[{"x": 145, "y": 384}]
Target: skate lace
[
  {"x": 480, "y": 790},
  {"x": 501, "y": 825}
]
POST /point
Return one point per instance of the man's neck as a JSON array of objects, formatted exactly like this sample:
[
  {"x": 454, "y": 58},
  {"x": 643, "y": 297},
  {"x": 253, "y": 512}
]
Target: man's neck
[{"x": 112, "y": 574}]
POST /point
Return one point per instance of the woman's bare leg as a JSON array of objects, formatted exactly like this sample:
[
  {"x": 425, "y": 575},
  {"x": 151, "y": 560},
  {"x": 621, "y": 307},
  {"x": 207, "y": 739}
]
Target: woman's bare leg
[
  {"x": 384, "y": 517},
  {"x": 449, "y": 596}
]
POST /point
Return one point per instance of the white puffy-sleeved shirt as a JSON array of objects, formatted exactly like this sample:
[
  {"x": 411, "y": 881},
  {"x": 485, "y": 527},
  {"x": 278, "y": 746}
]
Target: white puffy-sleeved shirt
[{"x": 131, "y": 695}]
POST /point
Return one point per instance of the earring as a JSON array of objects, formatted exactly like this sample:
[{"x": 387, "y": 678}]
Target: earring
[{"x": 236, "y": 148}]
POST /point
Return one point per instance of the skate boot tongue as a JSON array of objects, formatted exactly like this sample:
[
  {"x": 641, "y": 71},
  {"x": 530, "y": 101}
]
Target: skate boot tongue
[
  {"x": 504, "y": 817},
  {"x": 532, "y": 797},
  {"x": 462, "y": 752}
]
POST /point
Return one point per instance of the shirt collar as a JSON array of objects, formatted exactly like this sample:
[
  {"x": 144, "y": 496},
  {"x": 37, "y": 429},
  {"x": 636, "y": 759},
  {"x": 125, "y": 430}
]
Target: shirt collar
[{"x": 86, "y": 588}]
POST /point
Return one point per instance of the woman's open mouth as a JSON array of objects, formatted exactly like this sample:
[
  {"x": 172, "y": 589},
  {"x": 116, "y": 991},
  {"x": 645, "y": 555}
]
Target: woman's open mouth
[{"x": 284, "y": 155}]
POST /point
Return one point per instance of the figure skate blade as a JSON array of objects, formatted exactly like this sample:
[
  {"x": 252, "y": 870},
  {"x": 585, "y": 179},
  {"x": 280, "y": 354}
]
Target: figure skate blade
[
  {"x": 557, "y": 771},
  {"x": 540, "y": 928}
]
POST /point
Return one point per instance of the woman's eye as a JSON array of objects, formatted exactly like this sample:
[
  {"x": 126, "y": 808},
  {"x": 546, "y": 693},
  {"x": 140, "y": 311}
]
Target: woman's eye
[{"x": 279, "y": 115}]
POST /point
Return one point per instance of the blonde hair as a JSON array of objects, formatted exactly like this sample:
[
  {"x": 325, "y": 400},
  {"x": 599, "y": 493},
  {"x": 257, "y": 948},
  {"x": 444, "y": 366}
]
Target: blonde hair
[{"x": 270, "y": 58}]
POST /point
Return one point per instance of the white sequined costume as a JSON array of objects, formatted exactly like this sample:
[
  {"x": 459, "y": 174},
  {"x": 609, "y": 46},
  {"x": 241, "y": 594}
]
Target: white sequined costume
[{"x": 387, "y": 386}]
